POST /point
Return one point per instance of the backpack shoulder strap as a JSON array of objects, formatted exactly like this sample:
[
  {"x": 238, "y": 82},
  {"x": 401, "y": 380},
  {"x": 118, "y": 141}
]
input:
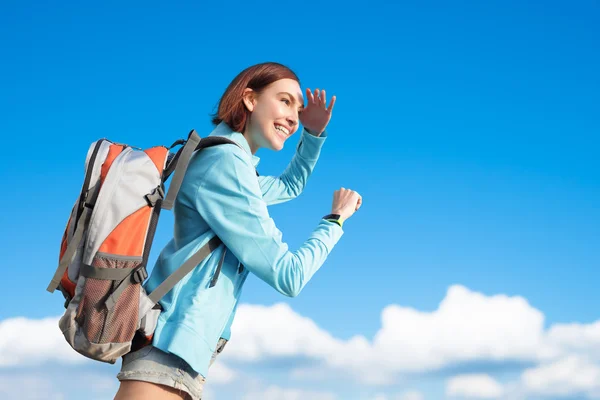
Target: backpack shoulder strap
[
  {"x": 184, "y": 269},
  {"x": 178, "y": 165},
  {"x": 180, "y": 162}
]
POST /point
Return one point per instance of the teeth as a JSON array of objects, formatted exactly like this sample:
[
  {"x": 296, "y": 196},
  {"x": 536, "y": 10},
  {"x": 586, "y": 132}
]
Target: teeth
[{"x": 282, "y": 129}]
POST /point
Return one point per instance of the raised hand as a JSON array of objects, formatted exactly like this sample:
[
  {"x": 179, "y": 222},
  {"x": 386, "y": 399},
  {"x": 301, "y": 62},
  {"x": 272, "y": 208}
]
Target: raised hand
[
  {"x": 316, "y": 114},
  {"x": 345, "y": 203}
]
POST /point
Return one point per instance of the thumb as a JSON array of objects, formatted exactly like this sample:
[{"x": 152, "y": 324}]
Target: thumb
[{"x": 358, "y": 203}]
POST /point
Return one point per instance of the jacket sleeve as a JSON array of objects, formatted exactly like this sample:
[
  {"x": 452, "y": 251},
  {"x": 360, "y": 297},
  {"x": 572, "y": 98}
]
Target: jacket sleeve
[
  {"x": 229, "y": 199},
  {"x": 293, "y": 180}
]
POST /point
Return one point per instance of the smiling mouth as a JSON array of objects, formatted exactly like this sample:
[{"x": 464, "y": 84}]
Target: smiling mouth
[{"x": 284, "y": 132}]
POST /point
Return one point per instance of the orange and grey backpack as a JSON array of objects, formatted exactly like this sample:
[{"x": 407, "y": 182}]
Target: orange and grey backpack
[{"x": 105, "y": 248}]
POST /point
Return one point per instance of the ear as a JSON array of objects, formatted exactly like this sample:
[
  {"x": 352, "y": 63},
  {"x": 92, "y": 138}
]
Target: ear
[{"x": 249, "y": 99}]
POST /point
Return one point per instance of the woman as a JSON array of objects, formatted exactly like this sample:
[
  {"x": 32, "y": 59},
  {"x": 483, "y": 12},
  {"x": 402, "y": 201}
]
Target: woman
[{"x": 221, "y": 195}]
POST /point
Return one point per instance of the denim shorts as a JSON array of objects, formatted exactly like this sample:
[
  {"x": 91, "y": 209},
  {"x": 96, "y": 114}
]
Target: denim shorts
[{"x": 150, "y": 364}]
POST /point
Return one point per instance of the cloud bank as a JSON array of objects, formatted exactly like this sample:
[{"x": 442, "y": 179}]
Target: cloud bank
[{"x": 466, "y": 327}]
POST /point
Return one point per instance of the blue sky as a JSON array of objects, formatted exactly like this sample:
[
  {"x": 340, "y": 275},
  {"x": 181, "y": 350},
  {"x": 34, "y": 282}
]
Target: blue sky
[{"x": 471, "y": 129}]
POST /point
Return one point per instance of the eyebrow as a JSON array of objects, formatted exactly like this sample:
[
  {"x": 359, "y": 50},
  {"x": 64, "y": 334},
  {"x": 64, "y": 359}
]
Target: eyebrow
[{"x": 294, "y": 100}]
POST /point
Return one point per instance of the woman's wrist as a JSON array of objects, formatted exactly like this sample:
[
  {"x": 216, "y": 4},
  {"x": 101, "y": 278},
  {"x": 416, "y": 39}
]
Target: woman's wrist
[
  {"x": 313, "y": 132},
  {"x": 336, "y": 218}
]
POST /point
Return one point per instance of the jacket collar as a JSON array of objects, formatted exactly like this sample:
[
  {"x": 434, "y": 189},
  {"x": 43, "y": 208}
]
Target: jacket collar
[{"x": 225, "y": 131}]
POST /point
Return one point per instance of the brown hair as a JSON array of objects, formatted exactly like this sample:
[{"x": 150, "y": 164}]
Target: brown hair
[{"x": 232, "y": 110}]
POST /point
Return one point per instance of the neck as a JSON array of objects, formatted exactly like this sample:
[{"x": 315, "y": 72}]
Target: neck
[{"x": 253, "y": 148}]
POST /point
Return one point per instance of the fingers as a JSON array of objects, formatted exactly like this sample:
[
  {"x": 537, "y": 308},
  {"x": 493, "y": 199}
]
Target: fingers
[
  {"x": 346, "y": 202},
  {"x": 330, "y": 108},
  {"x": 309, "y": 96},
  {"x": 319, "y": 98}
]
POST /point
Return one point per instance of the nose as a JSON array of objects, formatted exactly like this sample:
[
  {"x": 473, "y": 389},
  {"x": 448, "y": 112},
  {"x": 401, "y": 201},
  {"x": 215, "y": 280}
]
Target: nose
[{"x": 292, "y": 121}]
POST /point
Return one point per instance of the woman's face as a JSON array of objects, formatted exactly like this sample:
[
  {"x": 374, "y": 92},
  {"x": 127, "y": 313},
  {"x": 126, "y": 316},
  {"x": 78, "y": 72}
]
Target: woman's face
[{"x": 274, "y": 114}]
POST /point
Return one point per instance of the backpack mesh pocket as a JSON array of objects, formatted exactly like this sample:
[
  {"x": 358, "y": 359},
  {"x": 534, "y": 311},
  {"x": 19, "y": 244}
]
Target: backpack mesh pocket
[{"x": 99, "y": 324}]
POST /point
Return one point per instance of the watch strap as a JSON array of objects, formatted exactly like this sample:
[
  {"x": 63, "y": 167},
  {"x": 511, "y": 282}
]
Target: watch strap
[{"x": 334, "y": 218}]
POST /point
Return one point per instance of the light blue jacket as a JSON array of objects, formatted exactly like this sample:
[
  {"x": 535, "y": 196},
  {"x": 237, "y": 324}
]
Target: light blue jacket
[{"x": 222, "y": 195}]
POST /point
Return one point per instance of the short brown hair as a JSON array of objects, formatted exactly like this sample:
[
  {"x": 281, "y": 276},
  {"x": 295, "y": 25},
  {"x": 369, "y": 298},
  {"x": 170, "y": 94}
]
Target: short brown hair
[{"x": 231, "y": 106}]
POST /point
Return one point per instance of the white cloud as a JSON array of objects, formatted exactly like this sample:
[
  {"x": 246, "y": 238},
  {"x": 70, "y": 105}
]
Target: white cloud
[
  {"x": 569, "y": 376},
  {"x": 28, "y": 342},
  {"x": 467, "y": 326},
  {"x": 410, "y": 395},
  {"x": 312, "y": 373},
  {"x": 477, "y": 386},
  {"x": 57, "y": 386},
  {"x": 28, "y": 388},
  {"x": 276, "y": 331},
  {"x": 277, "y": 393},
  {"x": 567, "y": 339},
  {"x": 220, "y": 374}
]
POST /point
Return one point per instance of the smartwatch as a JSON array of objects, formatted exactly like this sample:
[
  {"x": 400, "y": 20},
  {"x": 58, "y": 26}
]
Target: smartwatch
[{"x": 334, "y": 218}]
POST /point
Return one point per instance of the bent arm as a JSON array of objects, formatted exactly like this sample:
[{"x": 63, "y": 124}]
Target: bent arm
[
  {"x": 293, "y": 180},
  {"x": 229, "y": 199}
]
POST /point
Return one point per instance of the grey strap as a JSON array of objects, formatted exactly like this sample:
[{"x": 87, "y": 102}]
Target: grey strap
[
  {"x": 111, "y": 300},
  {"x": 213, "y": 282},
  {"x": 120, "y": 275},
  {"x": 67, "y": 257},
  {"x": 182, "y": 164},
  {"x": 107, "y": 274},
  {"x": 183, "y": 270}
]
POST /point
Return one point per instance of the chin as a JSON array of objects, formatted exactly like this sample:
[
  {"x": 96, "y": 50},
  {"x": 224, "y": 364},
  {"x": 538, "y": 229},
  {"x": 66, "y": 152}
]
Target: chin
[{"x": 277, "y": 147}]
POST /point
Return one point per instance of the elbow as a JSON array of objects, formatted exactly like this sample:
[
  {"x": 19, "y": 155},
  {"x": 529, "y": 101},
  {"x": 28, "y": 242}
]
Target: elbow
[
  {"x": 293, "y": 187},
  {"x": 293, "y": 291},
  {"x": 292, "y": 286},
  {"x": 294, "y": 191},
  {"x": 289, "y": 289},
  {"x": 290, "y": 278}
]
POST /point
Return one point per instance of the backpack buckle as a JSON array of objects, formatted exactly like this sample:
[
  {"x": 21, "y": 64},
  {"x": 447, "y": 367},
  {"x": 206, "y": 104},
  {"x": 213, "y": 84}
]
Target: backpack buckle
[
  {"x": 139, "y": 275},
  {"x": 66, "y": 294},
  {"x": 157, "y": 193}
]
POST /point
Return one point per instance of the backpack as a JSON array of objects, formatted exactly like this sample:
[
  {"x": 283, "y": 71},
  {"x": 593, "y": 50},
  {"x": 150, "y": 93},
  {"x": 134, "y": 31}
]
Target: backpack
[{"x": 105, "y": 247}]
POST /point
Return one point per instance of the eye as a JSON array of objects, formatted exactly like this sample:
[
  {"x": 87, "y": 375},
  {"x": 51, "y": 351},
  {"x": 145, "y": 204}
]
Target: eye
[{"x": 286, "y": 101}]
